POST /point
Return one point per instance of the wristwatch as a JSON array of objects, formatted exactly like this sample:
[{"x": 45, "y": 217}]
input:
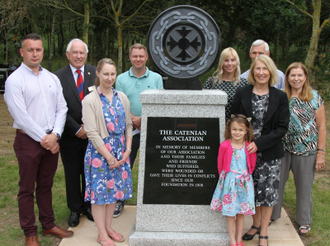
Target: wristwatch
[{"x": 57, "y": 135}]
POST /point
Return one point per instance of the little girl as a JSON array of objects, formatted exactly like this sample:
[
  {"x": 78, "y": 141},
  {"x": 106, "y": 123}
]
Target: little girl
[{"x": 234, "y": 194}]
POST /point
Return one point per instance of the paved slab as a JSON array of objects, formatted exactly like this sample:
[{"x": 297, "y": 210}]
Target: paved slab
[{"x": 281, "y": 232}]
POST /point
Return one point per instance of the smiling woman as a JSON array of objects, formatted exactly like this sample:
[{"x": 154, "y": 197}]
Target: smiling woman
[
  {"x": 107, "y": 121},
  {"x": 304, "y": 143},
  {"x": 269, "y": 110},
  {"x": 227, "y": 76}
]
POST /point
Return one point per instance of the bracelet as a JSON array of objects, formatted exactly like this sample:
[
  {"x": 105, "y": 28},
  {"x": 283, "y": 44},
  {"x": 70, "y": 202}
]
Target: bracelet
[
  {"x": 112, "y": 162},
  {"x": 129, "y": 149},
  {"x": 321, "y": 150}
]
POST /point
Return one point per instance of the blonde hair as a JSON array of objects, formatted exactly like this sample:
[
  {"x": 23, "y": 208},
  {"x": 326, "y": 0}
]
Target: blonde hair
[
  {"x": 306, "y": 94},
  {"x": 217, "y": 75},
  {"x": 270, "y": 66},
  {"x": 100, "y": 65},
  {"x": 240, "y": 119}
]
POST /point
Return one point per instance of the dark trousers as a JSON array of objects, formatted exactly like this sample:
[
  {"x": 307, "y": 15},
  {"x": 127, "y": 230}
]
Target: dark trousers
[
  {"x": 73, "y": 162},
  {"x": 135, "y": 148},
  {"x": 36, "y": 166}
]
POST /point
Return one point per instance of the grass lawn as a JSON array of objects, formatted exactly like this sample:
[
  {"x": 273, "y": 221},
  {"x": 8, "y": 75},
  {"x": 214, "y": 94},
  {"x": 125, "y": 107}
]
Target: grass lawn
[{"x": 12, "y": 235}]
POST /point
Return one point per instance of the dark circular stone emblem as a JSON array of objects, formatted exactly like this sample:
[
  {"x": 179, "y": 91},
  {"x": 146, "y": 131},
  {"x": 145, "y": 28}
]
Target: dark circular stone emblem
[{"x": 184, "y": 42}]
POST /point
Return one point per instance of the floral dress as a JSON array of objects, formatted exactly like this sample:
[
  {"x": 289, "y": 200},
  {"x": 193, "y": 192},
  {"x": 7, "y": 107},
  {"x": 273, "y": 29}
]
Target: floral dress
[
  {"x": 105, "y": 185},
  {"x": 234, "y": 193}
]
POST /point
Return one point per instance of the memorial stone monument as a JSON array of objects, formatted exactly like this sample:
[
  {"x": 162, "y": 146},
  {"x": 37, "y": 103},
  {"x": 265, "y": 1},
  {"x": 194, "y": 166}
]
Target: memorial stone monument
[{"x": 180, "y": 135}]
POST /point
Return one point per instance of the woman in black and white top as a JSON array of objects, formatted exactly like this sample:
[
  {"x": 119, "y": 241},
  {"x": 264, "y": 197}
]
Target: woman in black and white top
[{"x": 227, "y": 76}]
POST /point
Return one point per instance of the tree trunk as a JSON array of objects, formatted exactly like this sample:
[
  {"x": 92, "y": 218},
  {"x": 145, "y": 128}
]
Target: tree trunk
[
  {"x": 76, "y": 28},
  {"x": 287, "y": 45},
  {"x": 91, "y": 51},
  {"x": 120, "y": 49},
  {"x": 107, "y": 30},
  {"x": 86, "y": 22},
  {"x": 60, "y": 37},
  {"x": 312, "y": 51},
  {"x": 51, "y": 50},
  {"x": 277, "y": 46}
]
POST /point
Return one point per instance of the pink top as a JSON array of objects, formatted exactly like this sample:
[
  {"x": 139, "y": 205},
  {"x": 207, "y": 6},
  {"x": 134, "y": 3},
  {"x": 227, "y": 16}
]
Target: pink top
[{"x": 225, "y": 156}]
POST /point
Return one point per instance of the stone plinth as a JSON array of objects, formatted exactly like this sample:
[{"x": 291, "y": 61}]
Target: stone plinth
[{"x": 171, "y": 223}]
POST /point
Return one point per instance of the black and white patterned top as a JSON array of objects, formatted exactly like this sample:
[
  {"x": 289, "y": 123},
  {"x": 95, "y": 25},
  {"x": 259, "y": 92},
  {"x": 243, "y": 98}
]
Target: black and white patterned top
[
  {"x": 228, "y": 87},
  {"x": 259, "y": 110}
]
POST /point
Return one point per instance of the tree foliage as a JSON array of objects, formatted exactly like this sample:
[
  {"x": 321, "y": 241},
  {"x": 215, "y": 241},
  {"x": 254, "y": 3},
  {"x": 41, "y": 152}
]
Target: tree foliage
[{"x": 295, "y": 28}]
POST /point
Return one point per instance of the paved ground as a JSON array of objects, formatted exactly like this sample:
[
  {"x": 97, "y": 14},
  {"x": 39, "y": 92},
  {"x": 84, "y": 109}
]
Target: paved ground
[{"x": 281, "y": 232}]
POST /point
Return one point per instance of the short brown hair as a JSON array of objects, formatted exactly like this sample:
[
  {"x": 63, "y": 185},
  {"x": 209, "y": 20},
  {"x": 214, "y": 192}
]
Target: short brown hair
[
  {"x": 306, "y": 94},
  {"x": 137, "y": 46},
  {"x": 32, "y": 36},
  {"x": 100, "y": 65}
]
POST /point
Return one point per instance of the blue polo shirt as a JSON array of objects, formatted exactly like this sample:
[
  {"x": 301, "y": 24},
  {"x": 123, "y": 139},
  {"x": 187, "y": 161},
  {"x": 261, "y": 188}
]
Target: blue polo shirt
[{"x": 132, "y": 86}]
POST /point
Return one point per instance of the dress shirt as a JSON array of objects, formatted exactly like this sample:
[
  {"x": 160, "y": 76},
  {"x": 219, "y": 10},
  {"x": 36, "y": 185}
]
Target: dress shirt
[
  {"x": 35, "y": 102},
  {"x": 75, "y": 74}
]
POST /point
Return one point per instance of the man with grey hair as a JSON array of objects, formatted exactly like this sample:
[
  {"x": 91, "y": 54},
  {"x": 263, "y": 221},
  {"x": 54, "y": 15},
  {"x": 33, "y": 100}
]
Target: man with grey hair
[
  {"x": 260, "y": 47},
  {"x": 77, "y": 78}
]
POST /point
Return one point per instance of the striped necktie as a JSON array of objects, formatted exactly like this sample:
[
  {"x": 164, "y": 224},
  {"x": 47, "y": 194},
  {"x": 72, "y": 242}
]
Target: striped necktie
[{"x": 80, "y": 85}]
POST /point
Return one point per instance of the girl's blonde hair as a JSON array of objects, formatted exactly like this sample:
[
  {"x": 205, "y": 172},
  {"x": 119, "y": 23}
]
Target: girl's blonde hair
[
  {"x": 306, "y": 94},
  {"x": 217, "y": 75},
  {"x": 100, "y": 65},
  {"x": 240, "y": 119}
]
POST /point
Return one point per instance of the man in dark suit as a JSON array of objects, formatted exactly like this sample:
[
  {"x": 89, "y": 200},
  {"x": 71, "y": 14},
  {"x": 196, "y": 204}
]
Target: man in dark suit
[{"x": 77, "y": 79}]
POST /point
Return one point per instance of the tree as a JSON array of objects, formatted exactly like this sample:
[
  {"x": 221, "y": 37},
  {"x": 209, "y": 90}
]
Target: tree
[
  {"x": 74, "y": 8},
  {"x": 316, "y": 29}
]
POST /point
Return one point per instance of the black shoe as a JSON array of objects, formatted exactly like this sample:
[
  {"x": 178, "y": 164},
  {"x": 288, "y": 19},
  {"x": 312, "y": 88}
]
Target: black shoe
[
  {"x": 73, "y": 220},
  {"x": 263, "y": 237},
  {"x": 88, "y": 213},
  {"x": 118, "y": 209},
  {"x": 248, "y": 237}
]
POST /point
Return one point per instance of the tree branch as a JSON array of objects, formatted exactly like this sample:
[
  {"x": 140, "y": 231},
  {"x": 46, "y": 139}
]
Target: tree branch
[
  {"x": 324, "y": 23},
  {"x": 300, "y": 9}
]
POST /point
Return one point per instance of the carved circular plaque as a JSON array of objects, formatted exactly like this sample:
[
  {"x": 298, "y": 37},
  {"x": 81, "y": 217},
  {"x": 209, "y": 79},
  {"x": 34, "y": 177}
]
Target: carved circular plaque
[{"x": 184, "y": 42}]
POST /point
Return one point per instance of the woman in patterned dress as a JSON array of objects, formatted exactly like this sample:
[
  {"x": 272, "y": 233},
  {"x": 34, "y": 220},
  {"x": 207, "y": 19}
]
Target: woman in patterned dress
[
  {"x": 269, "y": 110},
  {"x": 304, "y": 143},
  {"x": 227, "y": 76},
  {"x": 106, "y": 117}
]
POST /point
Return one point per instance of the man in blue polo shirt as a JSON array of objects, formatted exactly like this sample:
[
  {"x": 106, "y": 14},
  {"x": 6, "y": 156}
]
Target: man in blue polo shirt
[{"x": 134, "y": 81}]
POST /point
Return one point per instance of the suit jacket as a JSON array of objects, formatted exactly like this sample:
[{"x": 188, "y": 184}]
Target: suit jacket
[
  {"x": 276, "y": 120},
  {"x": 70, "y": 92}
]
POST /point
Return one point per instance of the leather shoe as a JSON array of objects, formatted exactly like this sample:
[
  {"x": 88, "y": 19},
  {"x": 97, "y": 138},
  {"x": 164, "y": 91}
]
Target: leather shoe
[
  {"x": 32, "y": 241},
  {"x": 73, "y": 220},
  {"x": 248, "y": 237},
  {"x": 88, "y": 213},
  {"x": 57, "y": 232}
]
